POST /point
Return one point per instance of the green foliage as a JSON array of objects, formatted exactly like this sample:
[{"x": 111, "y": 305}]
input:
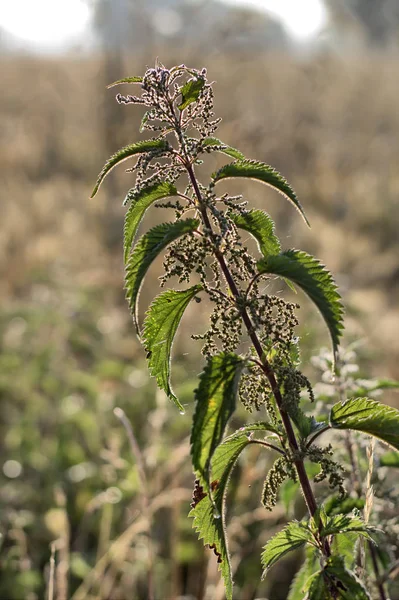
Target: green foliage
[
  {"x": 345, "y": 524},
  {"x": 211, "y": 144},
  {"x": 191, "y": 91},
  {"x": 308, "y": 568},
  {"x": 159, "y": 329},
  {"x": 209, "y": 512},
  {"x": 155, "y": 147},
  {"x": 252, "y": 169},
  {"x": 215, "y": 403},
  {"x": 343, "y": 581},
  {"x": 139, "y": 204},
  {"x": 335, "y": 582},
  {"x": 146, "y": 250},
  {"x": 210, "y": 527},
  {"x": 126, "y": 80},
  {"x": 260, "y": 225},
  {"x": 368, "y": 416},
  {"x": 293, "y": 536},
  {"x": 314, "y": 279}
]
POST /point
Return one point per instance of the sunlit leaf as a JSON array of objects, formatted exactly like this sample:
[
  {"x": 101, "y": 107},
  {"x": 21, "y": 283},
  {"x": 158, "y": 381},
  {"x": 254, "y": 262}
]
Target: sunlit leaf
[
  {"x": 368, "y": 416},
  {"x": 314, "y": 279},
  {"x": 146, "y": 250},
  {"x": 338, "y": 524},
  {"x": 127, "y": 152},
  {"x": 211, "y": 143},
  {"x": 293, "y": 536},
  {"x": 252, "y": 169},
  {"x": 209, "y": 512},
  {"x": 159, "y": 329},
  {"x": 215, "y": 403},
  {"x": 126, "y": 80},
  {"x": 190, "y": 92},
  {"x": 261, "y": 226},
  {"x": 140, "y": 202}
]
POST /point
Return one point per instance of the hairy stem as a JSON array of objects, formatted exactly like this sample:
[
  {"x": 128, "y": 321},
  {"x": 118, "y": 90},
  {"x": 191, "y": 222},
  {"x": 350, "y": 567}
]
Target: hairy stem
[{"x": 266, "y": 367}]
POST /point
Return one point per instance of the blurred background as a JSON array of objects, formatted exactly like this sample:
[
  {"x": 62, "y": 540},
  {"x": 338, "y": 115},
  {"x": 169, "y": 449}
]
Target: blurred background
[{"x": 310, "y": 87}]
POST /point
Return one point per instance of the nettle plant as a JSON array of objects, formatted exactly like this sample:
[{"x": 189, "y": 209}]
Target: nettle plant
[{"x": 250, "y": 348}]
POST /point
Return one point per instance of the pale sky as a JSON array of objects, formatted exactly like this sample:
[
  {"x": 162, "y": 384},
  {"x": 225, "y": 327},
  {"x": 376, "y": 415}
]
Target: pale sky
[
  {"x": 302, "y": 18},
  {"x": 51, "y": 24}
]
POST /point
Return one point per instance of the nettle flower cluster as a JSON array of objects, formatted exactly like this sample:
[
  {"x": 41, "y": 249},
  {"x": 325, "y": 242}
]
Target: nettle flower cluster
[{"x": 250, "y": 347}]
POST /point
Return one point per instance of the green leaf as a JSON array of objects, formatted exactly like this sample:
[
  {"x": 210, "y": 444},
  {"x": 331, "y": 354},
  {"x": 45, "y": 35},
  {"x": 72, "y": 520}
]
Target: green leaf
[
  {"x": 253, "y": 169},
  {"x": 368, "y": 416},
  {"x": 344, "y": 581},
  {"x": 317, "y": 589},
  {"x": 310, "y": 275},
  {"x": 335, "y": 505},
  {"x": 310, "y": 565},
  {"x": 335, "y": 581},
  {"x": 126, "y": 80},
  {"x": 125, "y": 153},
  {"x": 346, "y": 524},
  {"x": 140, "y": 202},
  {"x": 293, "y": 536},
  {"x": 215, "y": 144},
  {"x": 390, "y": 459},
  {"x": 261, "y": 226},
  {"x": 146, "y": 250},
  {"x": 215, "y": 403},
  {"x": 159, "y": 329},
  {"x": 346, "y": 545},
  {"x": 190, "y": 92},
  {"x": 210, "y": 528},
  {"x": 225, "y": 457}
]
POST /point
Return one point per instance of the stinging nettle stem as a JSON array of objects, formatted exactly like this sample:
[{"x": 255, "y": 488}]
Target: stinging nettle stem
[{"x": 266, "y": 367}]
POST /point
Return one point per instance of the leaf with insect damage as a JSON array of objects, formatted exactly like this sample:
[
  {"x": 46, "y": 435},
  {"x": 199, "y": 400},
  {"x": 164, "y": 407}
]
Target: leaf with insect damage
[{"x": 208, "y": 508}]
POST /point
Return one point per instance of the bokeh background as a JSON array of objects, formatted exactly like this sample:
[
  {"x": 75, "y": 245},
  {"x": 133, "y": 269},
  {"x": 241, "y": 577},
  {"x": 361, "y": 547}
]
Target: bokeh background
[{"x": 310, "y": 87}]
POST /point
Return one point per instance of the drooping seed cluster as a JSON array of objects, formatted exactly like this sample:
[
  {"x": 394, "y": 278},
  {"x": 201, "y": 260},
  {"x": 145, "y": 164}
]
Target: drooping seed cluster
[
  {"x": 329, "y": 469},
  {"x": 281, "y": 469}
]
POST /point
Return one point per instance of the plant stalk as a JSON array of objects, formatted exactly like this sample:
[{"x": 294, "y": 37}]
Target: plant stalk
[{"x": 266, "y": 367}]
